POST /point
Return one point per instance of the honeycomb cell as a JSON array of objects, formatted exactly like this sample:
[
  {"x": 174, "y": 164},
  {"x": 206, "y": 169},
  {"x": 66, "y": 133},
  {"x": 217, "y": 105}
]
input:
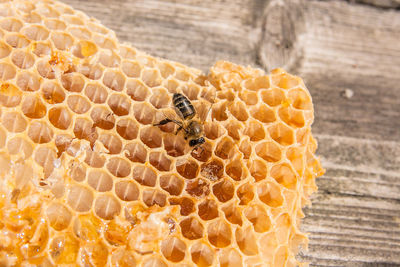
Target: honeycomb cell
[
  {"x": 186, "y": 204},
  {"x": 17, "y": 40},
  {"x": 7, "y": 71},
  {"x": 202, "y": 154},
  {"x": 5, "y": 49},
  {"x": 137, "y": 90},
  {"x": 269, "y": 151},
  {"x": 127, "y": 190},
  {"x": 258, "y": 169},
  {"x": 19, "y": 145},
  {"x": 191, "y": 228},
  {"x": 284, "y": 175},
  {"x": 281, "y": 134},
  {"x": 45, "y": 69},
  {"x": 62, "y": 40},
  {"x": 144, "y": 113},
  {"x": 114, "y": 80},
  {"x": 119, "y": 104},
  {"x": 246, "y": 241},
  {"x": 22, "y": 60},
  {"x": 212, "y": 170},
  {"x": 60, "y": 117},
  {"x": 107, "y": 207},
  {"x": 3, "y": 137},
  {"x": 151, "y": 136},
  {"x": 292, "y": 117},
  {"x": 285, "y": 81},
  {"x": 22, "y": 174},
  {"x": 224, "y": 148},
  {"x": 109, "y": 59},
  {"x": 166, "y": 69},
  {"x": 11, "y": 24},
  {"x": 258, "y": 216},
  {"x": 96, "y": 93},
  {"x": 160, "y": 161},
  {"x": 136, "y": 152},
  {"x": 104, "y": 42},
  {"x": 255, "y": 131},
  {"x": 239, "y": 110},
  {"x": 174, "y": 145},
  {"x": 144, "y": 175},
  {"x": 71, "y": 19},
  {"x": 40, "y": 132},
  {"x": 234, "y": 130},
  {"x": 230, "y": 258},
  {"x": 127, "y": 128},
  {"x": 219, "y": 111},
  {"x": 83, "y": 129},
  {"x": 153, "y": 197},
  {"x": 281, "y": 255},
  {"x": 224, "y": 190},
  {"x": 172, "y": 184},
  {"x": 95, "y": 253},
  {"x": 100, "y": 180},
  {"x": 111, "y": 142},
  {"x": 131, "y": 69},
  {"x": 80, "y": 32},
  {"x": 232, "y": 214},
  {"x": 249, "y": 97},
  {"x": 125, "y": 258},
  {"x": 35, "y": 32},
  {"x": 263, "y": 114},
  {"x": 78, "y": 172},
  {"x": 160, "y": 99},
  {"x": 273, "y": 96},
  {"x": 235, "y": 170},
  {"x": 78, "y": 104},
  {"x": 14, "y": 122},
  {"x": 10, "y": 95},
  {"x": 208, "y": 209},
  {"x": 245, "y": 193},
  {"x": 258, "y": 83},
  {"x": 94, "y": 159},
  {"x": 152, "y": 261},
  {"x": 187, "y": 168},
  {"x": 59, "y": 216},
  {"x": 270, "y": 194},
  {"x": 119, "y": 167},
  {"x": 45, "y": 157},
  {"x": 295, "y": 155},
  {"x": 55, "y": 24},
  {"x": 102, "y": 118},
  {"x": 245, "y": 148},
  {"x": 52, "y": 93},
  {"x": 171, "y": 85},
  {"x": 173, "y": 249},
  {"x": 80, "y": 198},
  {"x": 151, "y": 77},
  {"x": 202, "y": 255},
  {"x": 300, "y": 99},
  {"x": 33, "y": 108},
  {"x": 219, "y": 233},
  {"x": 64, "y": 249},
  {"x": 91, "y": 71}
]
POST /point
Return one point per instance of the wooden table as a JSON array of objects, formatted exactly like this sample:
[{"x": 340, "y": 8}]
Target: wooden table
[{"x": 348, "y": 53}]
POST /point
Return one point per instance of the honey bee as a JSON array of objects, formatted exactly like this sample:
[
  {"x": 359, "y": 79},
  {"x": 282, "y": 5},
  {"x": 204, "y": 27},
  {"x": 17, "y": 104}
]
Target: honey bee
[{"x": 193, "y": 128}]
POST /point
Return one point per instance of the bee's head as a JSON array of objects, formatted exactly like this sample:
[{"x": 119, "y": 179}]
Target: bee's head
[{"x": 198, "y": 141}]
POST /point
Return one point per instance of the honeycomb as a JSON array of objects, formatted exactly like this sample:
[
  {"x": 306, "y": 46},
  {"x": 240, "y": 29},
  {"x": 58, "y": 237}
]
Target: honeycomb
[{"x": 87, "y": 179}]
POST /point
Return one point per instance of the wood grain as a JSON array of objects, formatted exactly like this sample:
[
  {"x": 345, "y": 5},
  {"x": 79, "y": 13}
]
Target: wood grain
[{"x": 336, "y": 47}]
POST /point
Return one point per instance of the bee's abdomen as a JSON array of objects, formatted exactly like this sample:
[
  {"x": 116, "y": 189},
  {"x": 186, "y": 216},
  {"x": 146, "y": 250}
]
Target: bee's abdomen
[{"x": 184, "y": 106}]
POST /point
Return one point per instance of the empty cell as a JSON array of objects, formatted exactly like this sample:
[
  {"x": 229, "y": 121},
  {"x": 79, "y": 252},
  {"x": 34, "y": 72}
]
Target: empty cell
[
  {"x": 41, "y": 49},
  {"x": 95, "y": 252},
  {"x": 187, "y": 168},
  {"x": 96, "y": 27},
  {"x": 10, "y": 95},
  {"x": 258, "y": 216},
  {"x": 64, "y": 249},
  {"x": 198, "y": 188},
  {"x": 62, "y": 142},
  {"x": 136, "y": 152},
  {"x": 33, "y": 108},
  {"x": 18, "y": 145},
  {"x": 131, "y": 68},
  {"x": 151, "y": 136},
  {"x": 100, "y": 180},
  {"x": 269, "y": 151},
  {"x": 285, "y": 80},
  {"x": 246, "y": 241},
  {"x": 45, "y": 157},
  {"x": 281, "y": 134},
  {"x": 91, "y": 71},
  {"x": 144, "y": 175},
  {"x": 174, "y": 145},
  {"x": 191, "y": 91},
  {"x": 292, "y": 117},
  {"x": 127, "y": 52},
  {"x": 94, "y": 159},
  {"x": 7, "y": 71},
  {"x": 80, "y": 32},
  {"x": 213, "y": 130},
  {"x": 14, "y": 122},
  {"x": 46, "y": 10},
  {"x": 104, "y": 42},
  {"x": 127, "y": 190},
  {"x": 171, "y": 84},
  {"x": 255, "y": 131},
  {"x": 77, "y": 171},
  {"x": 284, "y": 175},
  {"x": 114, "y": 80},
  {"x": 59, "y": 216},
  {"x": 11, "y": 24},
  {"x": 146, "y": 60},
  {"x": 224, "y": 190},
  {"x": 300, "y": 99},
  {"x": 202, "y": 254},
  {"x": 208, "y": 209},
  {"x": 219, "y": 111},
  {"x": 219, "y": 233},
  {"x": 96, "y": 93},
  {"x": 160, "y": 98},
  {"x": 255, "y": 84},
  {"x": 230, "y": 258},
  {"x": 55, "y": 24},
  {"x": 78, "y": 104},
  {"x": 246, "y": 148},
  {"x": 270, "y": 194},
  {"x": 186, "y": 204},
  {"x": 45, "y": 69},
  {"x": 239, "y": 110},
  {"x": 182, "y": 75},
  {"x": 234, "y": 129},
  {"x": 40, "y": 132},
  {"x": 263, "y": 113},
  {"x": 153, "y": 197},
  {"x": 35, "y": 32},
  {"x": 5, "y": 49},
  {"x": 22, "y": 60},
  {"x": 258, "y": 170},
  {"x": 227, "y": 94},
  {"x": 109, "y": 59},
  {"x": 212, "y": 170},
  {"x": 224, "y": 148},
  {"x": 119, "y": 167},
  {"x": 173, "y": 249},
  {"x": 111, "y": 142},
  {"x": 120, "y": 104},
  {"x": 160, "y": 161},
  {"x": 60, "y": 117},
  {"x": 17, "y": 40},
  {"x": 295, "y": 155},
  {"x": 273, "y": 97},
  {"x": 4, "y": 164},
  {"x": 72, "y": 82},
  {"x": 62, "y": 40},
  {"x": 28, "y": 81},
  {"x": 83, "y": 129},
  {"x": 137, "y": 90},
  {"x": 144, "y": 113},
  {"x": 166, "y": 69},
  {"x": 249, "y": 97},
  {"x": 127, "y": 128},
  {"x": 52, "y": 93},
  {"x": 191, "y": 228},
  {"x": 172, "y": 184},
  {"x": 245, "y": 193},
  {"x": 80, "y": 198},
  {"x": 235, "y": 170},
  {"x": 102, "y": 118},
  {"x": 72, "y": 19},
  {"x": 107, "y": 207},
  {"x": 233, "y": 214}
]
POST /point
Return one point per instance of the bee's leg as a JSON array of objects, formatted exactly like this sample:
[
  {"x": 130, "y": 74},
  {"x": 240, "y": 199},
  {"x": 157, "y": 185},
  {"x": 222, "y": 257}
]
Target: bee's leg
[
  {"x": 178, "y": 130},
  {"x": 196, "y": 148},
  {"x": 163, "y": 122}
]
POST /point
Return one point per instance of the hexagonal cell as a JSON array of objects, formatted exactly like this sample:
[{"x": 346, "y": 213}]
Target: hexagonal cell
[
  {"x": 239, "y": 110},
  {"x": 172, "y": 184},
  {"x": 127, "y": 128},
  {"x": 285, "y": 80},
  {"x": 295, "y": 155},
  {"x": 136, "y": 152},
  {"x": 151, "y": 136},
  {"x": 160, "y": 161},
  {"x": 257, "y": 83},
  {"x": 202, "y": 255},
  {"x": 235, "y": 169},
  {"x": 245, "y": 148},
  {"x": 212, "y": 170},
  {"x": 100, "y": 180},
  {"x": 119, "y": 104},
  {"x": 18, "y": 145},
  {"x": 273, "y": 96},
  {"x": 144, "y": 113},
  {"x": 153, "y": 197},
  {"x": 104, "y": 42},
  {"x": 191, "y": 228},
  {"x": 281, "y": 134},
  {"x": 114, "y": 80},
  {"x": 268, "y": 245},
  {"x": 94, "y": 159},
  {"x": 186, "y": 204},
  {"x": 292, "y": 117},
  {"x": 14, "y": 122},
  {"x": 284, "y": 175},
  {"x": 45, "y": 158},
  {"x": 22, "y": 60},
  {"x": 80, "y": 32},
  {"x": 40, "y": 132},
  {"x": 10, "y": 95},
  {"x": 227, "y": 94},
  {"x": 258, "y": 170},
  {"x": 269, "y": 151},
  {"x": 234, "y": 129},
  {"x": 233, "y": 214},
  {"x": 5, "y": 49},
  {"x": 174, "y": 145},
  {"x": 208, "y": 209},
  {"x": 124, "y": 257},
  {"x": 35, "y": 32},
  {"x": 144, "y": 175},
  {"x": 258, "y": 216},
  {"x": 131, "y": 69},
  {"x": 255, "y": 131},
  {"x": 198, "y": 188},
  {"x": 166, "y": 69},
  {"x": 11, "y": 24},
  {"x": 172, "y": 85},
  {"x": 17, "y": 40},
  {"x": 107, "y": 207},
  {"x": 246, "y": 241},
  {"x": 33, "y": 108},
  {"x": 62, "y": 142},
  {"x": 86, "y": 227},
  {"x": 109, "y": 59},
  {"x": 300, "y": 99},
  {"x": 103, "y": 118},
  {"x": 187, "y": 168},
  {"x": 249, "y": 97},
  {"x": 62, "y": 40},
  {"x": 45, "y": 69},
  {"x": 213, "y": 130},
  {"x": 173, "y": 249},
  {"x": 84, "y": 129},
  {"x": 96, "y": 93},
  {"x": 78, "y": 172},
  {"x": 230, "y": 258},
  {"x": 127, "y": 52},
  {"x": 91, "y": 71},
  {"x": 127, "y": 190},
  {"x": 224, "y": 148},
  {"x": 55, "y": 24},
  {"x": 224, "y": 190},
  {"x": 85, "y": 49},
  {"x": 119, "y": 167},
  {"x": 64, "y": 248},
  {"x": 60, "y": 117},
  {"x": 7, "y": 71},
  {"x": 263, "y": 113},
  {"x": 95, "y": 253},
  {"x": 202, "y": 153},
  {"x": 80, "y": 198},
  {"x": 160, "y": 98},
  {"x": 219, "y": 111},
  {"x": 58, "y": 215},
  {"x": 270, "y": 194},
  {"x": 219, "y": 233},
  {"x": 245, "y": 193},
  {"x": 78, "y": 104},
  {"x": 52, "y": 93},
  {"x": 111, "y": 142},
  {"x": 137, "y": 90}
]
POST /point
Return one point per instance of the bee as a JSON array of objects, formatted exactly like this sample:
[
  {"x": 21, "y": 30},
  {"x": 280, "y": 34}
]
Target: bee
[{"x": 193, "y": 128}]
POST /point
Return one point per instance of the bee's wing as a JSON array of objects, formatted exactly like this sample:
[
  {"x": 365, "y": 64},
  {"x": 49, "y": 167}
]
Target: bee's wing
[{"x": 203, "y": 109}]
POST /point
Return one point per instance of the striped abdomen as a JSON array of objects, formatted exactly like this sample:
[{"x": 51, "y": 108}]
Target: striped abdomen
[{"x": 183, "y": 105}]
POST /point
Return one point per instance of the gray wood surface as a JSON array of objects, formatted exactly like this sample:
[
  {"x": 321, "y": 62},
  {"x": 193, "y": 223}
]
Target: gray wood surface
[{"x": 348, "y": 53}]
